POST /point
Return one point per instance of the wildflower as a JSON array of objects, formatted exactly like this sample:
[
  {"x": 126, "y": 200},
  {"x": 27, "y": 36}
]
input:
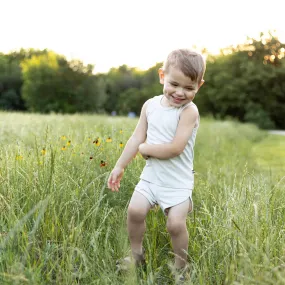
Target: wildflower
[
  {"x": 121, "y": 131},
  {"x": 19, "y": 157},
  {"x": 103, "y": 163},
  {"x": 97, "y": 142},
  {"x": 63, "y": 148},
  {"x": 89, "y": 139},
  {"x": 121, "y": 144},
  {"x": 63, "y": 138},
  {"x": 68, "y": 143},
  {"x": 91, "y": 157},
  {"x": 43, "y": 151},
  {"x": 108, "y": 140}
]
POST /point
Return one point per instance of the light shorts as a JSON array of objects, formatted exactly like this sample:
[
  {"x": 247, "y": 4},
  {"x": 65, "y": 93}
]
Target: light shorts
[{"x": 163, "y": 196}]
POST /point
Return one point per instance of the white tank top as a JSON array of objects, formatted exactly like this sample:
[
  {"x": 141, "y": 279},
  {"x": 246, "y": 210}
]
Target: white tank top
[{"x": 176, "y": 172}]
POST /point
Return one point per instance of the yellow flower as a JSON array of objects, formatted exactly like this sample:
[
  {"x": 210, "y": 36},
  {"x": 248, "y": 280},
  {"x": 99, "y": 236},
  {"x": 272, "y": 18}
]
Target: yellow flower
[
  {"x": 108, "y": 140},
  {"x": 89, "y": 139},
  {"x": 43, "y": 151},
  {"x": 121, "y": 144},
  {"x": 63, "y": 148},
  {"x": 121, "y": 131},
  {"x": 19, "y": 157},
  {"x": 97, "y": 142},
  {"x": 63, "y": 138},
  {"x": 68, "y": 143}
]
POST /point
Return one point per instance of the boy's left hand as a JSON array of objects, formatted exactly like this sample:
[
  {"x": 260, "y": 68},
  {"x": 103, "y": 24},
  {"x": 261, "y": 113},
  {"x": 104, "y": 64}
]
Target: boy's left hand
[{"x": 142, "y": 148}]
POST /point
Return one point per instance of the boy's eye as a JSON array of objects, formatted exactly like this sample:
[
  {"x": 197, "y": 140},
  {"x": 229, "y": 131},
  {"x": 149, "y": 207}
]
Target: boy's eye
[
  {"x": 173, "y": 84},
  {"x": 189, "y": 88}
]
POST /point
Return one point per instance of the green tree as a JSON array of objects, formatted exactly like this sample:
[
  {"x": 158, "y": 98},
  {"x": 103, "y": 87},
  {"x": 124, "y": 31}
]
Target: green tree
[
  {"x": 10, "y": 84},
  {"x": 40, "y": 89},
  {"x": 245, "y": 82},
  {"x": 117, "y": 81},
  {"x": 51, "y": 83}
]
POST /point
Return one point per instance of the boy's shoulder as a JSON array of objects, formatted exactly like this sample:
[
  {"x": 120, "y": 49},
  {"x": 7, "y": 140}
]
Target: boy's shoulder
[
  {"x": 152, "y": 104},
  {"x": 191, "y": 112},
  {"x": 190, "y": 107},
  {"x": 155, "y": 99}
]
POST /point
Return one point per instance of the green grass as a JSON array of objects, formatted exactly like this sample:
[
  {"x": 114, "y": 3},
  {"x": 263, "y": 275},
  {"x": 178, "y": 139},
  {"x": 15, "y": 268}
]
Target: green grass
[
  {"x": 270, "y": 154},
  {"x": 60, "y": 225}
]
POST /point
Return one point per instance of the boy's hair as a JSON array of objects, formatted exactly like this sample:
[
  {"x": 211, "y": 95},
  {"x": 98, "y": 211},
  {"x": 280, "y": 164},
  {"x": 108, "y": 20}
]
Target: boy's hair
[{"x": 191, "y": 63}]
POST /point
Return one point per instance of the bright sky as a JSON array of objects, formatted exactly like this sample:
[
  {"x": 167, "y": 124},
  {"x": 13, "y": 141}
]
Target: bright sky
[{"x": 139, "y": 33}]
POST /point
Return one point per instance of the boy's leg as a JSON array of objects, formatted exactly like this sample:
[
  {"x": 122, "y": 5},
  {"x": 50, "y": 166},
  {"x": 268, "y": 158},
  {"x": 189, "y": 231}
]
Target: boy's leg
[
  {"x": 137, "y": 211},
  {"x": 176, "y": 226}
]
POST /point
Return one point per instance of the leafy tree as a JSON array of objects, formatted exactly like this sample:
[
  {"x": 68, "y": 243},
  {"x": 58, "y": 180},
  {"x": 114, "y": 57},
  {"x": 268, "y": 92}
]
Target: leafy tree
[
  {"x": 10, "y": 84},
  {"x": 40, "y": 83},
  {"x": 51, "y": 83},
  {"x": 246, "y": 82},
  {"x": 118, "y": 80}
]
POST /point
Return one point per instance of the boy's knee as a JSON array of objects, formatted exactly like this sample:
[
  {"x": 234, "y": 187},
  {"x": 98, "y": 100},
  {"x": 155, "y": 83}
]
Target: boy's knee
[
  {"x": 136, "y": 214},
  {"x": 175, "y": 227}
]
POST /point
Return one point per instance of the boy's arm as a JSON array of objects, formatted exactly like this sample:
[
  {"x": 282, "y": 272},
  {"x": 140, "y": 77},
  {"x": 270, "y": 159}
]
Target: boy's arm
[
  {"x": 130, "y": 150},
  {"x": 187, "y": 122}
]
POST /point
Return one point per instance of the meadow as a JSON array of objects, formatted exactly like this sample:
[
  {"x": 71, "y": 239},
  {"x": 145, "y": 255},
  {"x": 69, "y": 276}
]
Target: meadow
[{"x": 59, "y": 223}]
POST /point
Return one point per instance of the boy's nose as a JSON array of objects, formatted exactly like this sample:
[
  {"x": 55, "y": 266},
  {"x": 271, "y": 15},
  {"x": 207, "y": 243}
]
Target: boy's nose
[{"x": 179, "y": 91}]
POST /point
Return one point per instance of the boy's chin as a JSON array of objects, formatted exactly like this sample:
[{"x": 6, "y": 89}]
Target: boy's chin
[{"x": 171, "y": 103}]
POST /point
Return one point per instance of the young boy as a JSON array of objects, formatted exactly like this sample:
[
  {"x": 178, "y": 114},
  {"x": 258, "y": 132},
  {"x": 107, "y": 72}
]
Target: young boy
[{"x": 165, "y": 136}]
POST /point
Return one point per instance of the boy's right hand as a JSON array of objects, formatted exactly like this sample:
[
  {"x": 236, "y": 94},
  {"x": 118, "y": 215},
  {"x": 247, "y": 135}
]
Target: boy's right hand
[{"x": 115, "y": 178}]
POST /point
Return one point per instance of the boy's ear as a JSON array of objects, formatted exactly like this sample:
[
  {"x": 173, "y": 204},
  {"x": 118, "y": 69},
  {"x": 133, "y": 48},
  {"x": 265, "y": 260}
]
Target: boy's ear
[
  {"x": 161, "y": 76},
  {"x": 201, "y": 83}
]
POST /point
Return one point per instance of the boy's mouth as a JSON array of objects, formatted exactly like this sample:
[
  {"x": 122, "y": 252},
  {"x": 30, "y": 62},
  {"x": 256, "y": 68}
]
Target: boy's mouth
[{"x": 177, "y": 100}]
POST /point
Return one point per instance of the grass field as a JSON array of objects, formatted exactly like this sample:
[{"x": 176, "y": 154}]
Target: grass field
[{"x": 60, "y": 225}]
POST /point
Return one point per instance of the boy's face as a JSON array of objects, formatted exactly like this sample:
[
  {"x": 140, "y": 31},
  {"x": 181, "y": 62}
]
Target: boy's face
[{"x": 178, "y": 88}]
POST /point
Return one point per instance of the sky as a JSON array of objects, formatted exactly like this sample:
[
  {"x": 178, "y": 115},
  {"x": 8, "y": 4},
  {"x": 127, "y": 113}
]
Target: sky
[{"x": 109, "y": 33}]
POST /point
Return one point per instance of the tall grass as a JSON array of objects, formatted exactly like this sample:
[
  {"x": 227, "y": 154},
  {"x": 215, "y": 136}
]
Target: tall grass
[{"x": 60, "y": 225}]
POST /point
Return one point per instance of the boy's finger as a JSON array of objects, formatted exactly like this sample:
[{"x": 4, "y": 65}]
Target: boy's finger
[
  {"x": 109, "y": 183},
  {"x": 116, "y": 187}
]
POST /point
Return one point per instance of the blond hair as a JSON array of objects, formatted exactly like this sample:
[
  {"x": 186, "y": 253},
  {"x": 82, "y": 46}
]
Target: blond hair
[{"x": 191, "y": 63}]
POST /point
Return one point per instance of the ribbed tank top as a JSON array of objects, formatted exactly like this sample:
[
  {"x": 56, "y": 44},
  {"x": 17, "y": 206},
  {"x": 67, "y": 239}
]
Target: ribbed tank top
[{"x": 176, "y": 172}]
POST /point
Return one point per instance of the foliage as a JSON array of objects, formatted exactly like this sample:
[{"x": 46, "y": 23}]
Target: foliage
[
  {"x": 245, "y": 82},
  {"x": 119, "y": 80},
  {"x": 10, "y": 84},
  {"x": 52, "y": 84}
]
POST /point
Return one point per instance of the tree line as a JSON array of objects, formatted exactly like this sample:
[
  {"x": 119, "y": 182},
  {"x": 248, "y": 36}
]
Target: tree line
[{"x": 246, "y": 82}]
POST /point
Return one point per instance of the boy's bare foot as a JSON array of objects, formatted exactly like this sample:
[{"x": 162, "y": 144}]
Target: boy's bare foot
[
  {"x": 181, "y": 275},
  {"x": 126, "y": 263}
]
